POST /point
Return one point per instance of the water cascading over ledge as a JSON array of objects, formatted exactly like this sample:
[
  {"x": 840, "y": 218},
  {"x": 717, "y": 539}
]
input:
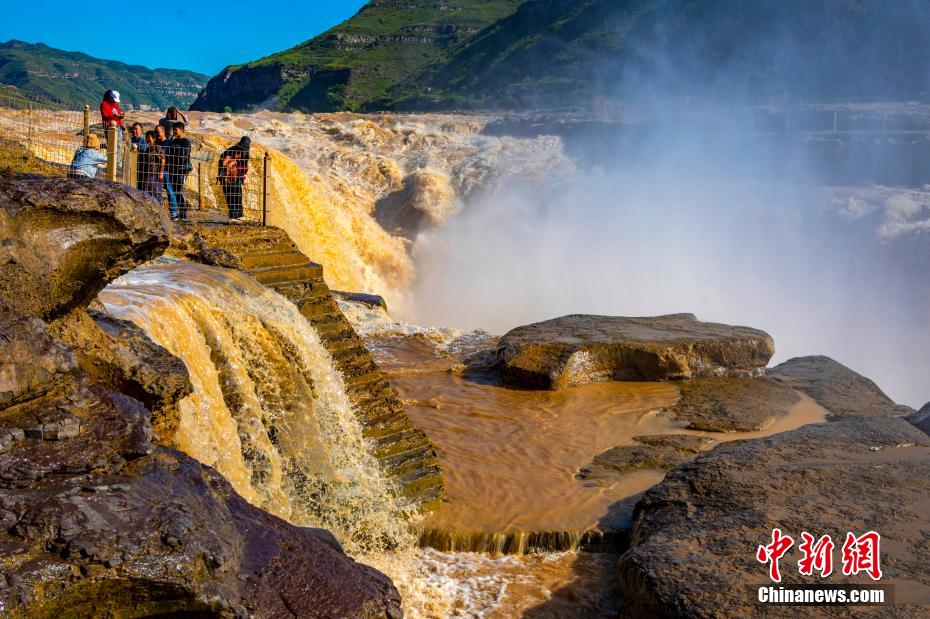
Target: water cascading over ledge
[{"x": 269, "y": 409}]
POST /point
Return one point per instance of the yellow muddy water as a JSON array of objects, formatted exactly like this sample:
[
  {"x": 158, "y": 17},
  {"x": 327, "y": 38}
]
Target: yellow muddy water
[{"x": 511, "y": 456}]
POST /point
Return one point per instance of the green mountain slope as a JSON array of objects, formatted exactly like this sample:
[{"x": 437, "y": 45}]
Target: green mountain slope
[
  {"x": 453, "y": 54},
  {"x": 564, "y": 52},
  {"x": 358, "y": 60},
  {"x": 73, "y": 79}
]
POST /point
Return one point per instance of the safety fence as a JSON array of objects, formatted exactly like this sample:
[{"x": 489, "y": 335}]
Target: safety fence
[{"x": 212, "y": 187}]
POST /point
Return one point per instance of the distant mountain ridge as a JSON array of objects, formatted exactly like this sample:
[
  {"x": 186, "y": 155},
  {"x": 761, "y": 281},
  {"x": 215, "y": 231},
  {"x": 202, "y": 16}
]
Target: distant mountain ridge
[
  {"x": 73, "y": 79},
  {"x": 460, "y": 54},
  {"x": 357, "y": 61}
]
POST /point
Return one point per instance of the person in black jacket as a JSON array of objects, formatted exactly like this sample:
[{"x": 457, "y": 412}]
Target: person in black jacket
[
  {"x": 231, "y": 172},
  {"x": 178, "y": 153}
]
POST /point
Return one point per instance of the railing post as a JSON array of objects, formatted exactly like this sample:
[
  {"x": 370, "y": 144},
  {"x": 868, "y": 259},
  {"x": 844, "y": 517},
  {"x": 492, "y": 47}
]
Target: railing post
[
  {"x": 86, "y": 123},
  {"x": 111, "y": 153},
  {"x": 200, "y": 185},
  {"x": 29, "y": 131},
  {"x": 266, "y": 159},
  {"x": 131, "y": 167}
]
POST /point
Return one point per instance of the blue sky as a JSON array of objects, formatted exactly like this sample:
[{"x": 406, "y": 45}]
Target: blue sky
[{"x": 202, "y": 36}]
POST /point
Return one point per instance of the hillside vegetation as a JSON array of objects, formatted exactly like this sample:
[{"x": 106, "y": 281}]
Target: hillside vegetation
[
  {"x": 73, "y": 79},
  {"x": 357, "y": 61},
  {"x": 416, "y": 55}
]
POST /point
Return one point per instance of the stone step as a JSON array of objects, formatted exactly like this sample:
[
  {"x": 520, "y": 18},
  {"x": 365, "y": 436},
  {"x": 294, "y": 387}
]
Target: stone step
[
  {"x": 417, "y": 482},
  {"x": 400, "y": 442},
  {"x": 263, "y": 260},
  {"x": 298, "y": 291},
  {"x": 409, "y": 461},
  {"x": 387, "y": 428},
  {"x": 288, "y": 273}
]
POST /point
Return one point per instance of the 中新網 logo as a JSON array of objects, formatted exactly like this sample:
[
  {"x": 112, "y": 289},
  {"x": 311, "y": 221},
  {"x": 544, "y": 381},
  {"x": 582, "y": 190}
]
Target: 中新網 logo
[{"x": 858, "y": 554}]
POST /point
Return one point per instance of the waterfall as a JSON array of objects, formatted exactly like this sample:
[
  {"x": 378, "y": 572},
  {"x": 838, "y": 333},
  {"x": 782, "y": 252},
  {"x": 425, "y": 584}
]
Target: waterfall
[{"x": 269, "y": 410}]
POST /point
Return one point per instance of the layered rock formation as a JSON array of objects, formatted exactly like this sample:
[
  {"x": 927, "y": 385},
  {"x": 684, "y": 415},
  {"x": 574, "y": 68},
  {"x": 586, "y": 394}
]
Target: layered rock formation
[
  {"x": 98, "y": 520},
  {"x": 268, "y": 254},
  {"x": 654, "y": 451},
  {"x": 837, "y": 388},
  {"x": 578, "y": 349},
  {"x": 694, "y": 536},
  {"x": 732, "y": 404}
]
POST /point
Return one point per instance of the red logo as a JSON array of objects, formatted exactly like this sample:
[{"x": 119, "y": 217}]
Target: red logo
[
  {"x": 773, "y": 552},
  {"x": 860, "y": 554},
  {"x": 817, "y": 555}
]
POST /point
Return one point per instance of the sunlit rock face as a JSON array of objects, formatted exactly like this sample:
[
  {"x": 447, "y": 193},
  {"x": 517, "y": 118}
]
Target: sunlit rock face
[
  {"x": 97, "y": 517},
  {"x": 579, "y": 349}
]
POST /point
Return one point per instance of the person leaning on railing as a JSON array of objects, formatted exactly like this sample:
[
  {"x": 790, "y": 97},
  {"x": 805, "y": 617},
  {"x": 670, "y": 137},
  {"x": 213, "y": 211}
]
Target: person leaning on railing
[
  {"x": 231, "y": 172},
  {"x": 87, "y": 159}
]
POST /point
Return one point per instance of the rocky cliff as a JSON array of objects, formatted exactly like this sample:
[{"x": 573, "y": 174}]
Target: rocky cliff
[{"x": 98, "y": 519}]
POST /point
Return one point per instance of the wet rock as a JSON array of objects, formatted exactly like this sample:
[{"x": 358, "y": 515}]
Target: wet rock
[
  {"x": 579, "y": 349},
  {"x": 655, "y": 451},
  {"x": 721, "y": 404},
  {"x": 837, "y": 388},
  {"x": 119, "y": 355},
  {"x": 325, "y": 536},
  {"x": 62, "y": 241},
  {"x": 694, "y": 536},
  {"x": 30, "y": 362},
  {"x": 102, "y": 522},
  {"x": 369, "y": 300}
]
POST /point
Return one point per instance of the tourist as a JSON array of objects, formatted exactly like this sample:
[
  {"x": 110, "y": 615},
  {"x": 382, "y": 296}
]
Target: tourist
[
  {"x": 233, "y": 167},
  {"x": 152, "y": 162},
  {"x": 162, "y": 140},
  {"x": 172, "y": 116},
  {"x": 179, "y": 166},
  {"x": 112, "y": 116},
  {"x": 138, "y": 141},
  {"x": 87, "y": 159}
]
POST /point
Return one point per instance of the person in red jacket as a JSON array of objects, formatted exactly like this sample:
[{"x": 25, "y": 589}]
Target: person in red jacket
[{"x": 112, "y": 116}]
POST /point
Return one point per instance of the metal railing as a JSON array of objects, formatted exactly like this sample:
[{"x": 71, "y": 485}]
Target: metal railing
[{"x": 209, "y": 188}]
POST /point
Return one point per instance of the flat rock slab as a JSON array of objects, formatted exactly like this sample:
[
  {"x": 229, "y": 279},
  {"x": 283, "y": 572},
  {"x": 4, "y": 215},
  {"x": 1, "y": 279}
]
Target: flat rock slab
[
  {"x": 723, "y": 404},
  {"x": 654, "y": 451},
  {"x": 837, "y": 388},
  {"x": 694, "y": 536},
  {"x": 579, "y": 349}
]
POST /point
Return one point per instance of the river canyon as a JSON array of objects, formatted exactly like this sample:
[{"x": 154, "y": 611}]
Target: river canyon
[{"x": 469, "y": 226}]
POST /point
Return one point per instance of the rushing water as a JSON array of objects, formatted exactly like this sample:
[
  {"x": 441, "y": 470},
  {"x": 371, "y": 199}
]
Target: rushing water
[{"x": 268, "y": 410}]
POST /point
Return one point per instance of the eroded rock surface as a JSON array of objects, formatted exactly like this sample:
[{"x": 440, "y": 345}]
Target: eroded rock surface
[
  {"x": 654, "y": 451},
  {"x": 837, "y": 388},
  {"x": 694, "y": 536},
  {"x": 578, "y": 349},
  {"x": 119, "y": 355},
  {"x": 97, "y": 519},
  {"x": 722, "y": 404},
  {"x": 62, "y": 241}
]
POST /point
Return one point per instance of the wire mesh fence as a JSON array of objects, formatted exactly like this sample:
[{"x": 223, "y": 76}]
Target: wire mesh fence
[{"x": 195, "y": 180}]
